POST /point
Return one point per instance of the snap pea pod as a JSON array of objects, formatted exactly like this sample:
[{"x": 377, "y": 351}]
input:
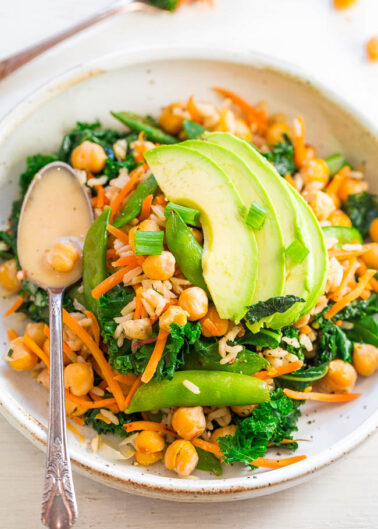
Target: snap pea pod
[
  {"x": 76, "y": 292},
  {"x": 215, "y": 388},
  {"x": 141, "y": 124},
  {"x": 335, "y": 162},
  {"x": 343, "y": 234},
  {"x": 208, "y": 462},
  {"x": 133, "y": 206},
  {"x": 184, "y": 246},
  {"x": 247, "y": 362},
  {"x": 94, "y": 258}
]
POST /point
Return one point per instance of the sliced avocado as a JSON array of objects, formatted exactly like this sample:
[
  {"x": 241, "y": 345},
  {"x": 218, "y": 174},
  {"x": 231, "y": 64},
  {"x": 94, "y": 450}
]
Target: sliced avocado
[
  {"x": 343, "y": 234},
  {"x": 269, "y": 238},
  {"x": 290, "y": 220},
  {"x": 229, "y": 259}
]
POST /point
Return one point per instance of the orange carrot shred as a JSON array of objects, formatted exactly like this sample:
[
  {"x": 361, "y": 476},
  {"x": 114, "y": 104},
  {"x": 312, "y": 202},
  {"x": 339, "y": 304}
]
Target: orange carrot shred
[
  {"x": 148, "y": 425},
  {"x": 111, "y": 253},
  {"x": 322, "y": 397},
  {"x": 118, "y": 234},
  {"x": 334, "y": 186},
  {"x": 374, "y": 284},
  {"x": 78, "y": 420},
  {"x": 210, "y": 326},
  {"x": 254, "y": 115},
  {"x": 126, "y": 379},
  {"x": 156, "y": 356},
  {"x": 207, "y": 446},
  {"x": 134, "y": 177},
  {"x": 80, "y": 401},
  {"x": 299, "y": 141},
  {"x": 16, "y": 305},
  {"x": 365, "y": 294},
  {"x": 131, "y": 393},
  {"x": 193, "y": 110},
  {"x": 352, "y": 295},
  {"x": 12, "y": 335},
  {"x": 290, "y": 180},
  {"x": 146, "y": 208},
  {"x": 124, "y": 261},
  {"x": 100, "y": 196},
  {"x": 348, "y": 275},
  {"x": 276, "y": 463},
  {"x": 74, "y": 430},
  {"x": 94, "y": 324},
  {"x": 279, "y": 371},
  {"x": 110, "y": 282},
  {"x": 342, "y": 255},
  {"x": 31, "y": 344}
]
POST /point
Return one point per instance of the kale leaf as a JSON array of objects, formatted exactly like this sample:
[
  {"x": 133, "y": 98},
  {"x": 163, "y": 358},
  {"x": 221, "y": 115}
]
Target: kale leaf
[
  {"x": 270, "y": 423},
  {"x": 365, "y": 330},
  {"x": 270, "y": 338},
  {"x": 302, "y": 378},
  {"x": 332, "y": 342},
  {"x": 112, "y": 167},
  {"x": 33, "y": 165},
  {"x": 168, "y": 5},
  {"x": 362, "y": 209},
  {"x": 36, "y": 304},
  {"x": 282, "y": 157},
  {"x": 116, "y": 429},
  {"x": 263, "y": 309},
  {"x": 179, "y": 342},
  {"x": 360, "y": 308},
  {"x": 292, "y": 332}
]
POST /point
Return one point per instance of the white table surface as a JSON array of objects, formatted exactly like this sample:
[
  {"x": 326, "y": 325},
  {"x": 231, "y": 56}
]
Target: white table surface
[{"x": 308, "y": 33}]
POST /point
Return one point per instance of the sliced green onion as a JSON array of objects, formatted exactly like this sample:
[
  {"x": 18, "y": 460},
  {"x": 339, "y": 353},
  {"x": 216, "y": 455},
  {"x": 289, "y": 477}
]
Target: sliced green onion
[
  {"x": 192, "y": 129},
  {"x": 335, "y": 163},
  {"x": 148, "y": 242},
  {"x": 256, "y": 216},
  {"x": 188, "y": 215},
  {"x": 297, "y": 251}
]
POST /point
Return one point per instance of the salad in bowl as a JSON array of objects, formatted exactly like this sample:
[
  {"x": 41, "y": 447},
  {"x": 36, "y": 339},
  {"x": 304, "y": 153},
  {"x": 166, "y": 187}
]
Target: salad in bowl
[{"x": 229, "y": 276}]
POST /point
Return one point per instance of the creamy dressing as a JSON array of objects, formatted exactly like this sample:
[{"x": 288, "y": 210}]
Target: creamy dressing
[{"x": 55, "y": 210}]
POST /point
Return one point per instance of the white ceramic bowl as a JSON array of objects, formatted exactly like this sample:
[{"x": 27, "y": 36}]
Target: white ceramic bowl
[{"x": 143, "y": 82}]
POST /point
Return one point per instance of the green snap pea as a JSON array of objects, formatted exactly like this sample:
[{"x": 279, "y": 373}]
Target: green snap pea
[
  {"x": 208, "y": 462},
  {"x": 247, "y": 362},
  {"x": 335, "y": 162},
  {"x": 76, "y": 292},
  {"x": 94, "y": 258},
  {"x": 141, "y": 124},
  {"x": 133, "y": 206},
  {"x": 343, "y": 234},
  {"x": 184, "y": 246},
  {"x": 215, "y": 388}
]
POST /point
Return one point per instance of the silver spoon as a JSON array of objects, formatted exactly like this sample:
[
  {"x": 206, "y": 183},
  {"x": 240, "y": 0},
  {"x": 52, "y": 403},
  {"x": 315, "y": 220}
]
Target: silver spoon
[
  {"x": 15, "y": 61},
  {"x": 59, "y": 508}
]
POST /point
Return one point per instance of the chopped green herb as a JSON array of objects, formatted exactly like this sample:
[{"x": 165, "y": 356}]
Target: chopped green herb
[
  {"x": 282, "y": 157},
  {"x": 362, "y": 208}
]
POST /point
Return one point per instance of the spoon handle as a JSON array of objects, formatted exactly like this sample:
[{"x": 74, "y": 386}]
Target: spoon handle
[{"x": 59, "y": 509}]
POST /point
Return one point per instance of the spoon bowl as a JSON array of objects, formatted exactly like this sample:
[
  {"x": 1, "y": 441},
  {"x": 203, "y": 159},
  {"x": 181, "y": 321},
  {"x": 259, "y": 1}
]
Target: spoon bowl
[{"x": 56, "y": 209}]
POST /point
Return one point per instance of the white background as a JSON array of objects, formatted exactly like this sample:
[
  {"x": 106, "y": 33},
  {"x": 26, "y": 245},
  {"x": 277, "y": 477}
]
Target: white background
[{"x": 308, "y": 33}]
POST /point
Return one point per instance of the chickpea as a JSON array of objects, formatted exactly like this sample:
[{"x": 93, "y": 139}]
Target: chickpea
[
  {"x": 372, "y": 49},
  {"x": 149, "y": 442},
  {"x": 189, "y": 422},
  {"x": 8, "y": 275},
  {"x": 373, "y": 230},
  {"x": 160, "y": 267},
  {"x": 222, "y": 432},
  {"x": 148, "y": 225},
  {"x": 78, "y": 378},
  {"x": 73, "y": 409},
  {"x": 44, "y": 379},
  {"x": 341, "y": 377},
  {"x": 216, "y": 320},
  {"x": 20, "y": 357},
  {"x": 198, "y": 235},
  {"x": 174, "y": 314},
  {"x": 315, "y": 171},
  {"x": 172, "y": 117},
  {"x": 365, "y": 359},
  {"x": 35, "y": 331},
  {"x": 137, "y": 329},
  {"x": 194, "y": 301},
  {"x": 275, "y": 133},
  {"x": 343, "y": 4},
  {"x": 243, "y": 411},
  {"x": 336, "y": 200},
  {"x": 181, "y": 456},
  {"x": 89, "y": 156},
  {"x": 321, "y": 204},
  {"x": 370, "y": 258},
  {"x": 339, "y": 218},
  {"x": 350, "y": 186},
  {"x": 63, "y": 256},
  {"x": 310, "y": 152},
  {"x": 146, "y": 459}
]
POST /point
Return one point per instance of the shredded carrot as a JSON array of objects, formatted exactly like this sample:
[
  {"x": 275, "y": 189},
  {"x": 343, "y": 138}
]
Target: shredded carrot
[
  {"x": 110, "y": 282},
  {"x": 322, "y": 397},
  {"x": 160, "y": 200},
  {"x": 306, "y": 329},
  {"x": 138, "y": 304},
  {"x": 276, "y": 463},
  {"x": 131, "y": 393},
  {"x": 193, "y": 110},
  {"x": 98, "y": 355},
  {"x": 254, "y": 115},
  {"x": 134, "y": 177},
  {"x": 352, "y": 295},
  {"x": 347, "y": 277},
  {"x": 124, "y": 261},
  {"x": 94, "y": 202},
  {"x": 111, "y": 253},
  {"x": 100, "y": 196},
  {"x": 31, "y": 344},
  {"x": 374, "y": 284},
  {"x": 334, "y": 186},
  {"x": 205, "y": 445},
  {"x": 148, "y": 425},
  {"x": 339, "y": 323},
  {"x": 140, "y": 147},
  {"x": 118, "y": 234},
  {"x": 76, "y": 432},
  {"x": 146, "y": 208},
  {"x": 365, "y": 294},
  {"x": 210, "y": 326},
  {"x": 156, "y": 356},
  {"x": 12, "y": 335},
  {"x": 279, "y": 371},
  {"x": 290, "y": 180},
  {"x": 299, "y": 141},
  {"x": 342, "y": 255},
  {"x": 80, "y": 401},
  {"x": 78, "y": 420},
  {"x": 94, "y": 324},
  {"x": 126, "y": 379},
  {"x": 16, "y": 305}
]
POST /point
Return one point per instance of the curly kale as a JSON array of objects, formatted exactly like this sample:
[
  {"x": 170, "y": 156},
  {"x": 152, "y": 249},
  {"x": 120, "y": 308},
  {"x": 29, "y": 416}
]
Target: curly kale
[
  {"x": 116, "y": 429},
  {"x": 36, "y": 304},
  {"x": 362, "y": 208},
  {"x": 270, "y": 423},
  {"x": 282, "y": 156},
  {"x": 292, "y": 332},
  {"x": 266, "y": 308}
]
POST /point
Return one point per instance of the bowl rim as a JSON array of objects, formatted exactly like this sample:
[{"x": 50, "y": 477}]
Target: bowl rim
[{"x": 149, "y": 483}]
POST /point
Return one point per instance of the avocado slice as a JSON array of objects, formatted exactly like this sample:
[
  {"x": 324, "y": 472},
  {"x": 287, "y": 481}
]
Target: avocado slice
[
  {"x": 271, "y": 251},
  {"x": 297, "y": 280},
  {"x": 229, "y": 259}
]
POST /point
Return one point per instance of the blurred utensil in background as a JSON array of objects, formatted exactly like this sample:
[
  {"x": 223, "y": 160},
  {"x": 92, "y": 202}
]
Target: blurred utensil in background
[{"x": 15, "y": 61}]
